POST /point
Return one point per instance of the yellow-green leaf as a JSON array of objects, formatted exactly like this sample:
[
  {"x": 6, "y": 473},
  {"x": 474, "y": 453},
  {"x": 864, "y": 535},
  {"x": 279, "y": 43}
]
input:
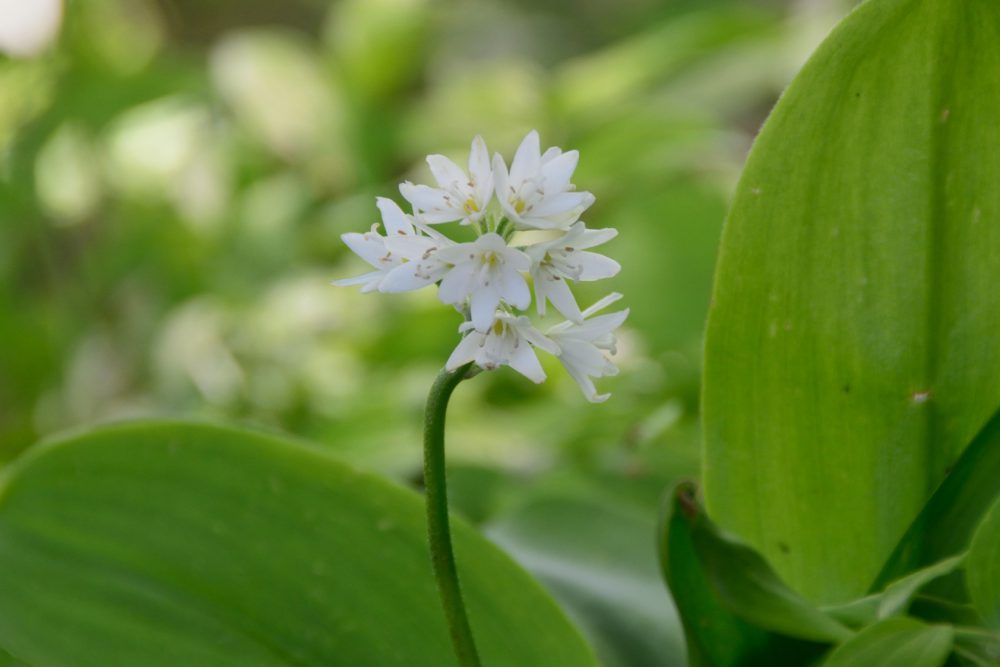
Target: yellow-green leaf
[
  {"x": 983, "y": 567},
  {"x": 895, "y": 642},
  {"x": 853, "y": 347}
]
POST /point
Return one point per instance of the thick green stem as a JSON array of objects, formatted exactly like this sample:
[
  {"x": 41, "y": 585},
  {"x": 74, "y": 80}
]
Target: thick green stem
[{"x": 438, "y": 527}]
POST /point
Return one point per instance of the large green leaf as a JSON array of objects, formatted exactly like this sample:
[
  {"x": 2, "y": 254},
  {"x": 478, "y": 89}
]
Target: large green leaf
[
  {"x": 853, "y": 346},
  {"x": 946, "y": 523},
  {"x": 895, "y": 642},
  {"x": 735, "y": 610},
  {"x": 598, "y": 559},
  {"x": 983, "y": 569},
  {"x": 897, "y": 596},
  {"x": 195, "y": 545}
]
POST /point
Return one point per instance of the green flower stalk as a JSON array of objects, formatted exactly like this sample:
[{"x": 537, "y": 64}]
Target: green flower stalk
[
  {"x": 489, "y": 280},
  {"x": 438, "y": 525}
]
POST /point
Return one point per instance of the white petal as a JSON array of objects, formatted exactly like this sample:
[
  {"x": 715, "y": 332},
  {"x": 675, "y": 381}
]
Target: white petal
[
  {"x": 483, "y": 307},
  {"x": 561, "y": 203},
  {"x": 480, "y": 172},
  {"x": 558, "y": 292},
  {"x": 596, "y": 267},
  {"x": 550, "y": 154},
  {"x": 369, "y": 278},
  {"x": 369, "y": 247},
  {"x": 458, "y": 253},
  {"x": 594, "y": 237},
  {"x": 583, "y": 356},
  {"x": 514, "y": 288},
  {"x": 516, "y": 259},
  {"x": 456, "y": 283},
  {"x": 586, "y": 384},
  {"x": 525, "y": 361},
  {"x": 396, "y": 222},
  {"x": 436, "y": 205},
  {"x": 445, "y": 172},
  {"x": 599, "y": 326},
  {"x": 492, "y": 241},
  {"x": 501, "y": 179},
  {"x": 527, "y": 159},
  {"x": 410, "y": 247},
  {"x": 439, "y": 215},
  {"x": 558, "y": 172},
  {"x": 465, "y": 351},
  {"x": 404, "y": 278},
  {"x": 534, "y": 336},
  {"x": 602, "y": 304}
]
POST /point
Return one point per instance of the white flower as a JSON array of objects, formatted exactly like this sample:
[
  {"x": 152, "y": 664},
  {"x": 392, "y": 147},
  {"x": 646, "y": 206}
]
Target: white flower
[
  {"x": 484, "y": 271},
  {"x": 459, "y": 196},
  {"x": 582, "y": 346},
  {"x": 537, "y": 191},
  {"x": 507, "y": 342},
  {"x": 423, "y": 265},
  {"x": 371, "y": 246},
  {"x": 27, "y": 28},
  {"x": 565, "y": 258}
]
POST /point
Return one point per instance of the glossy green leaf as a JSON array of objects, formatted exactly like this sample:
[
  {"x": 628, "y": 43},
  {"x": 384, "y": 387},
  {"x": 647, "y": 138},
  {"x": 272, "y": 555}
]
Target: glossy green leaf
[
  {"x": 734, "y": 609},
  {"x": 194, "y": 545},
  {"x": 983, "y": 570},
  {"x": 897, "y": 596},
  {"x": 946, "y": 523},
  {"x": 895, "y": 642},
  {"x": 853, "y": 346},
  {"x": 978, "y": 645},
  {"x": 599, "y": 561},
  {"x": 7, "y": 660}
]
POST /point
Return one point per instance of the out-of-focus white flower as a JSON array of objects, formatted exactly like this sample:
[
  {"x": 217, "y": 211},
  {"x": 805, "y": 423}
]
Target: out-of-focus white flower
[
  {"x": 27, "y": 27},
  {"x": 582, "y": 346},
  {"x": 459, "y": 196},
  {"x": 508, "y": 341},
  {"x": 537, "y": 191},
  {"x": 556, "y": 262},
  {"x": 371, "y": 246},
  {"x": 484, "y": 271}
]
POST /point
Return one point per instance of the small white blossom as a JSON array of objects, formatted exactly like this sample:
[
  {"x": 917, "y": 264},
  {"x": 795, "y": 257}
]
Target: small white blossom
[
  {"x": 556, "y": 262},
  {"x": 371, "y": 246},
  {"x": 459, "y": 196},
  {"x": 484, "y": 271},
  {"x": 537, "y": 191},
  {"x": 508, "y": 341},
  {"x": 582, "y": 346}
]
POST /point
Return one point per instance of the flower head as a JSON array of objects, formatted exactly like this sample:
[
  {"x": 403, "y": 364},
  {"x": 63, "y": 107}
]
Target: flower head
[
  {"x": 582, "y": 346},
  {"x": 537, "y": 192},
  {"x": 487, "y": 279},
  {"x": 459, "y": 196}
]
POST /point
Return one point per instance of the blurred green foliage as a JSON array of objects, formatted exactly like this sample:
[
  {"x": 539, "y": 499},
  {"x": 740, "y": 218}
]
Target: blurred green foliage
[{"x": 175, "y": 176}]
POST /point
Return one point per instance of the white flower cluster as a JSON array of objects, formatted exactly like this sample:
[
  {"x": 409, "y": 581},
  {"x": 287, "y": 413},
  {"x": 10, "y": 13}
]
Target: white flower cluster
[{"x": 485, "y": 279}]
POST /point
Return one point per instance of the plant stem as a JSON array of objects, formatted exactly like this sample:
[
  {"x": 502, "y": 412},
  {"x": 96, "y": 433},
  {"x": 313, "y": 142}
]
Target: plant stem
[{"x": 438, "y": 527}]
